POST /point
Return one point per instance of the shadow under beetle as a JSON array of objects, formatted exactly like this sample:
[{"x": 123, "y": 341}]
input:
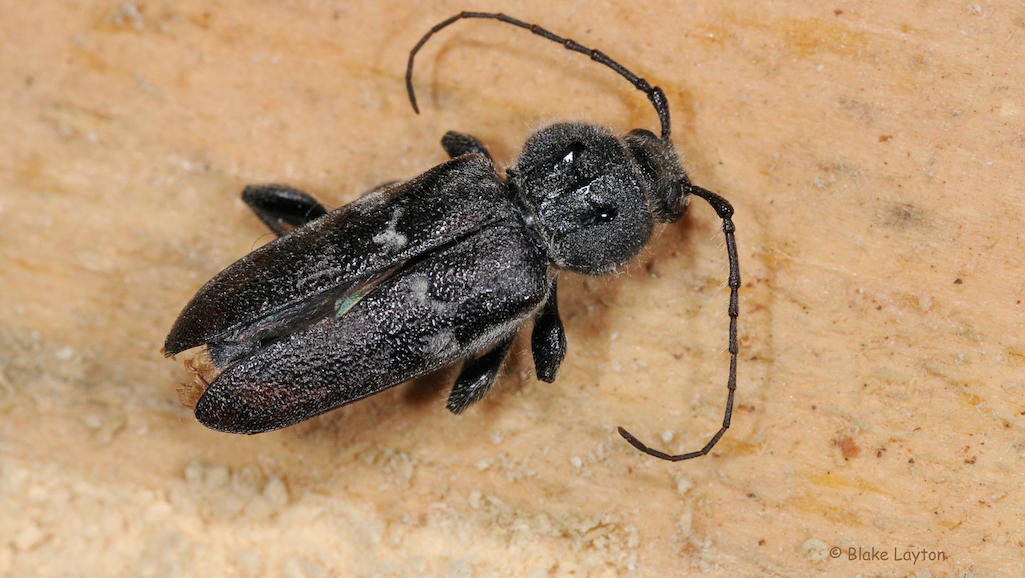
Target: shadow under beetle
[{"x": 449, "y": 265}]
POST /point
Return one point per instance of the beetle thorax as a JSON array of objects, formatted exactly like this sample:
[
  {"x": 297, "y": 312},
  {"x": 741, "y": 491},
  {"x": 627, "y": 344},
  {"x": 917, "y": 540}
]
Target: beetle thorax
[{"x": 585, "y": 196}]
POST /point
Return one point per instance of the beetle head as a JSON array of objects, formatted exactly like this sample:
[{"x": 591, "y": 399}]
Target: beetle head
[{"x": 667, "y": 185}]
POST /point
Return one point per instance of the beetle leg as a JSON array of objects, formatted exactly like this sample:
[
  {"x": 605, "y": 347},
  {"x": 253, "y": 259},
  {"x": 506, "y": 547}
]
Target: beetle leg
[
  {"x": 477, "y": 376},
  {"x": 457, "y": 144},
  {"x": 282, "y": 208},
  {"x": 548, "y": 342}
]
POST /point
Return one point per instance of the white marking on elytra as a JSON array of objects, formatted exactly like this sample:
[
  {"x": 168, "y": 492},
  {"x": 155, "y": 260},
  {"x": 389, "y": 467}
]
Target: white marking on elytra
[
  {"x": 419, "y": 286},
  {"x": 420, "y": 289},
  {"x": 442, "y": 344},
  {"x": 390, "y": 238}
]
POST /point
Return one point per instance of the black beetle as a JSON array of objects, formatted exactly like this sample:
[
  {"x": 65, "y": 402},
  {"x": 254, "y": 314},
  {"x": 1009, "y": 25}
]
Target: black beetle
[{"x": 449, "y": 265}]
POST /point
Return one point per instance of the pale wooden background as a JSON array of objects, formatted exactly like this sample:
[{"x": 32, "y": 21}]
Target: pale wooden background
[{"x": 873, "y": 151}]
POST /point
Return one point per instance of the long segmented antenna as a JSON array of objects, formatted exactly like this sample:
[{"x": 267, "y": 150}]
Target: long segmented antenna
[
  {"x": 722, "y": 206},
  {"x": 655, "y": 94},
  {"x": 725, "y": 211}
]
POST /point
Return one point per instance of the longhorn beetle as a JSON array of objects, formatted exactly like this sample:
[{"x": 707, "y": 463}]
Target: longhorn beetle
[{"x": 446, "y": 266}]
